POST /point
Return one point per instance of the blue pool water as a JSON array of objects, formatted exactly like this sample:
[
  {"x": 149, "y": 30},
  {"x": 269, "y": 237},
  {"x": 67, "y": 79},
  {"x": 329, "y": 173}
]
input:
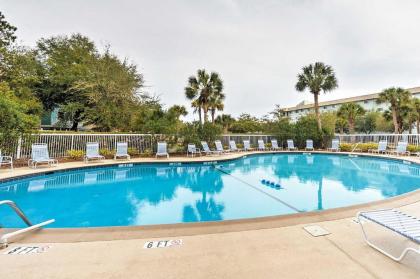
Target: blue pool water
[{"x": 128, "y": 195}]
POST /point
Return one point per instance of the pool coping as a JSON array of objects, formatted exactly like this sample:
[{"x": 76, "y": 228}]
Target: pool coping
[{"x": 187, "y": 229}]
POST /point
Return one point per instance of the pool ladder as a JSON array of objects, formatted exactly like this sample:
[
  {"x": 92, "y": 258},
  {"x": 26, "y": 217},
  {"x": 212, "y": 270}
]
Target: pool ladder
[{"x": 4, "y": 239}]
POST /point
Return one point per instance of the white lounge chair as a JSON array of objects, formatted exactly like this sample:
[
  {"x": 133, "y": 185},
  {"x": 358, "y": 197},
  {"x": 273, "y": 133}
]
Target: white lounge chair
[
  {"x": 40, "y": 155},
  {"x": 207, "y": 150},
  {"x": 261, "y": 145},
  {"x": 92, "y": 152},
  {"x": 309, "y": 144},
  {"x": 122, "y": 151},
  {"x": 233, "y": 148},
  {"x": 396, "y": 221},
  {"x": 401, "y": 149},
  {"x": 192, "y": 150},
  {"x": 274, "y": 145},
  {"x": 162, "y": 149},
  {"x": 381, "y": 147},
  {"x": 6, "y": 161},
  {"x": 335, "y": 145},
  {"x": 247, "y": 146},
  {"x": 219, "y": 147},
  {"x": 290, "y": 145}
]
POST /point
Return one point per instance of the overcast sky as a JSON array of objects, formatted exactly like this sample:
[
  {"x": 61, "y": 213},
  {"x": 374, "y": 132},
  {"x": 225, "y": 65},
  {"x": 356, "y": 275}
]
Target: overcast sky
[{"x": 258, "y": 47}]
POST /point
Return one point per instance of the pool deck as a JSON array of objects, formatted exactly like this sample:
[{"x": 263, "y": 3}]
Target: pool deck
[{"x": 272, "y": 247}]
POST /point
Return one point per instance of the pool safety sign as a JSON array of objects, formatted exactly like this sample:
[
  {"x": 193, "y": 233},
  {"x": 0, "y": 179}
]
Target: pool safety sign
[
  {"x": 162, "y": 243},
  {"x": 26, "y": 250}
]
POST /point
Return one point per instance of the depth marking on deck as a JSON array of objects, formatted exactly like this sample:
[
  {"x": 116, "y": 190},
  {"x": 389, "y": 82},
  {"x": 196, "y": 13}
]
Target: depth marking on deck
[
  {"x": 162, "y": 243},
  {"x": 27, "y": 250}
]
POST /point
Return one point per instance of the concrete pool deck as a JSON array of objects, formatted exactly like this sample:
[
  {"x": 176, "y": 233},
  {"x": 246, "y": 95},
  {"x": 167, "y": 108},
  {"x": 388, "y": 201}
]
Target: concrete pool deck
[{"x": 275, "y": 247}]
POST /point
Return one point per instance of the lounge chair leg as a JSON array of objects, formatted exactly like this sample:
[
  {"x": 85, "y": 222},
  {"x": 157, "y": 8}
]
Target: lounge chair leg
[{"x": 397, "y": 259}]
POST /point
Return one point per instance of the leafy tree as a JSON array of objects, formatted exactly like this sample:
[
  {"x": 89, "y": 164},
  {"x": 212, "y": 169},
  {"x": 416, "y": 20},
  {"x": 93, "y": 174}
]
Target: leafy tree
[
  {"x": 341, "y": 124},
  {"x": 7, "y": 32},
  {"x": 246, "y": 124},
  {"x": 20, "y": 70},
  {"x": 284, "y": 130},
  {"x": 398, "y": 98},
  {"x": 317, "y": 77},
  {"x": 226, "y": 121},
  {"x": 367, "y": 123},
  {"x": 201, "y": 89},
  {"x": 111, "y": 90},
  {"x": 15, "y": 119},
  {"x": 306, "y": 128},
  {"x": 415, "y": 112},
  {"x": 68, "y": 62},
  {"x": 383, "y": 124},
  {"x": 350, "y": 111}
]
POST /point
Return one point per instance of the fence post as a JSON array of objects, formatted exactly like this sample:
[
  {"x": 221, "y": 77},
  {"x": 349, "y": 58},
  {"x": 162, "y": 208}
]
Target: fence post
[
  {"x": 72, "y": 142},
  {"x": 19, "y": 148}
]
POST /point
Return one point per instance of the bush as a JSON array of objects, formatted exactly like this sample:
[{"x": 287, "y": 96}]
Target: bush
[
  {"x": 346, "y": 147},
  {"x": 307, "y": 128},
  {"x": 107, "y": 153},
  {"x": 133, "y": 151},
  {"x": 364, "y": 147},
  {"x": 195, "y": 133},
  {"x": 147, "y": 153},
  {"x": 75, "y": 154},
  {"x": 413, "y": 148}
]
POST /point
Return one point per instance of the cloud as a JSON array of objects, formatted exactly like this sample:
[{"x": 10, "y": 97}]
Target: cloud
[{"x": 258, "y": 47}]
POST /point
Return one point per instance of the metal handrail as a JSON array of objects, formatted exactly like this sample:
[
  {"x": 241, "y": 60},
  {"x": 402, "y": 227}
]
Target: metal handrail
[
  {"x": 4, "y": 239},
  {"x": 18, "y": 211},
  {"x": 354, "y": 148}
]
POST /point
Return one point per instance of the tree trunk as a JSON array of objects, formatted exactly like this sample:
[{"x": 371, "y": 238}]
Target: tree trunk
[
  {"x": 76, "y": 120},
  {"x": 418, "y": 126},
  {"x": 351, "y": 126},
  {"x": 316, "y": 107},
  {"x": 395, "y": 120},
  {"x": 75, "y": 125},
  {"x": 199, "y": 115},
  {"x": 213, "y": 112},
  {"x": 205, "y": 112}
]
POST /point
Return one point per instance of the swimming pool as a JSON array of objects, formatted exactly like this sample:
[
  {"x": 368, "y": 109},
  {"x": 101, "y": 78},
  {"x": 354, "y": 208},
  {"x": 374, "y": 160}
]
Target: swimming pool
[{"x": 167, "y": 193}]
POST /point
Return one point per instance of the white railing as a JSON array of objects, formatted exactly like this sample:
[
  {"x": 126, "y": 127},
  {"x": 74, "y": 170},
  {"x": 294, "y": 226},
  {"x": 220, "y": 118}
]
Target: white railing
[
  {"x": 59, "y": 144},
  {"x": 392, "y": 139}
]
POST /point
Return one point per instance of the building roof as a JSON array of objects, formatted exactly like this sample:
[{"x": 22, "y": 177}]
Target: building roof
[{"x": 304, "y": 105}]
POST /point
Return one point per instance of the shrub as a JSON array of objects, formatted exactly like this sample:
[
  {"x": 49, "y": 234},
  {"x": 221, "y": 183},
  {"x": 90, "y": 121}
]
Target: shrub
[
  {"x": 133, "y": 151},
  {"x": 364, "y": 147},
  {"x": 195, "y": 133},
  {"x": 346, "y": 147},
  {"x": 107, "y": 153},
  {"x": 75, "y": 154},
  {"x": 306, "y": 128},
  {"x": 147, "y": 153},
  {"x": 413, "y": 148}
]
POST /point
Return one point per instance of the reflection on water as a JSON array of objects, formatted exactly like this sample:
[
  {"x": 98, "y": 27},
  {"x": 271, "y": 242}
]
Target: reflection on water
[{"x": 159, "y": 194}]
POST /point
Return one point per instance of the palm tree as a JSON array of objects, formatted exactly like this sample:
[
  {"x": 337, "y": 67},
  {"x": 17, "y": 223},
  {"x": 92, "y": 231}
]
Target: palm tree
[
  {"x": 350, "y": 111},
  {"x": 397, "y": 97},
  {"x": 317, "y": 77},
  {"x": 200, "y": 90},
  {"x": 226, "y": 121},
  {"x": 216, "y": 103},
  {"x": 414, "y": 114},
  {"x": 341, "y": 123}
]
